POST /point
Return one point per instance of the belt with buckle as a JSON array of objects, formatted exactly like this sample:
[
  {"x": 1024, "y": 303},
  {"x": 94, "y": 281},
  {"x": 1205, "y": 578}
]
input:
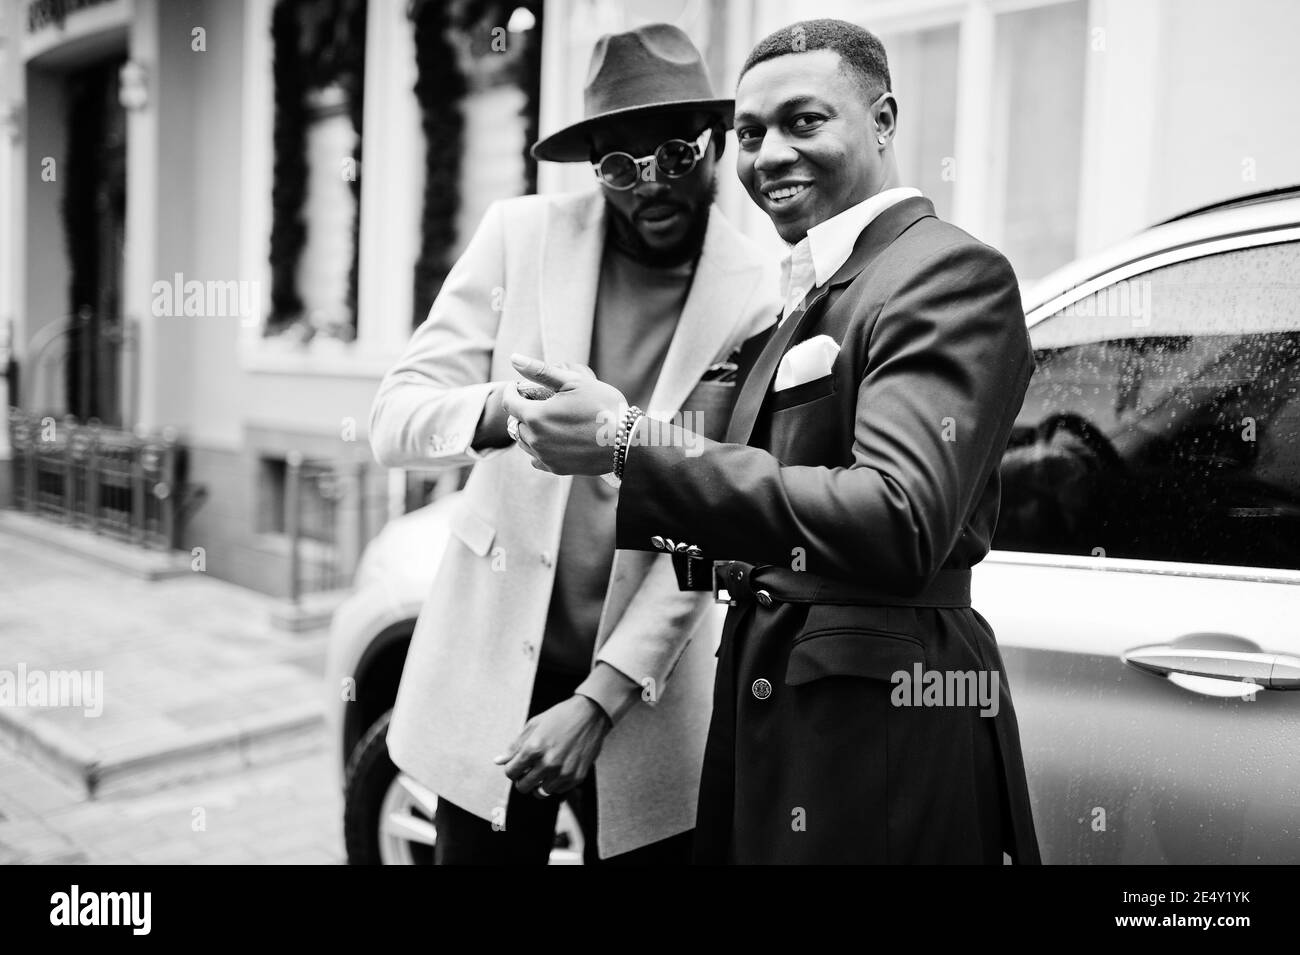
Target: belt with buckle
[{"x": 736, "y": 582}]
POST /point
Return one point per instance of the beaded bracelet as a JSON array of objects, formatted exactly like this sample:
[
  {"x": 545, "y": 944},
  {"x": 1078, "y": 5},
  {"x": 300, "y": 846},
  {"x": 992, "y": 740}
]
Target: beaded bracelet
[{"x": 621, "y": 437}]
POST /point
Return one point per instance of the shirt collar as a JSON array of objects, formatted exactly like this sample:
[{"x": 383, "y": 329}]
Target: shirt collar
[
  {"x": 813, "y": 260},
  {"x": 831, "y": 242}
]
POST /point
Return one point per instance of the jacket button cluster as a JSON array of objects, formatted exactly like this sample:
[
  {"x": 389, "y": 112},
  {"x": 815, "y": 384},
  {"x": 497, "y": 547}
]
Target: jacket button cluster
[{"x": 674, "y": 547}]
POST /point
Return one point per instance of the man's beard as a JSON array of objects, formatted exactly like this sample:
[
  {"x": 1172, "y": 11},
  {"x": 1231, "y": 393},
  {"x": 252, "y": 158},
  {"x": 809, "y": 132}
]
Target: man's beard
[{"x": 625, "y": 237}]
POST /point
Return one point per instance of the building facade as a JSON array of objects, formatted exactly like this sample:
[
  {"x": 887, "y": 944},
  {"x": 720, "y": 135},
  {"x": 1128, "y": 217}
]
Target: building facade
[
  {"x": 145, "y": 178},
  {"x": 154, "y": 132}
]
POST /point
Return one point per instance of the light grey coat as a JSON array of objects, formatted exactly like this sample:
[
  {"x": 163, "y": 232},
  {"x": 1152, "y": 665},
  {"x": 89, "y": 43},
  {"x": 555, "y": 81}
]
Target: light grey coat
[{"x": 527, "y": 283}]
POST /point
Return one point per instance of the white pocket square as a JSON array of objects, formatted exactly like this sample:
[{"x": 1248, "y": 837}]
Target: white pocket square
[{"x": 806, "y": 362}]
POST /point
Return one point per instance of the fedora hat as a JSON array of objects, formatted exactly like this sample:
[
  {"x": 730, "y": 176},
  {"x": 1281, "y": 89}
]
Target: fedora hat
[{"x": 654, "y": 68}]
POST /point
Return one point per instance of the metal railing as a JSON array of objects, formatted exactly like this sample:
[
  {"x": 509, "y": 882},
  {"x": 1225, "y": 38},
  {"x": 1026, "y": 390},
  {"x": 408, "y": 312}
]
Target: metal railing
[{"x": 112, "y": 482}]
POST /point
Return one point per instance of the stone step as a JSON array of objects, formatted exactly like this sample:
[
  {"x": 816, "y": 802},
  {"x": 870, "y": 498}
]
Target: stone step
[
  {"x": 224, "y": 747},
  {"x": 106, "y": 551}
]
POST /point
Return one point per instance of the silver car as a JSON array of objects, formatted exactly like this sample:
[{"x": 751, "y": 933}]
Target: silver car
[
  {"x": 1145, "y": 578},
  {"x": 1145, "y": 581}
]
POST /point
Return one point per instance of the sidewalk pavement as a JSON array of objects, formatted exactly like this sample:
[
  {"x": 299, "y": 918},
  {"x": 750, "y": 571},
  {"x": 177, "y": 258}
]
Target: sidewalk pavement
[
  {"x": 286, "y": 814},
  {"x": 205, "y": 706}
]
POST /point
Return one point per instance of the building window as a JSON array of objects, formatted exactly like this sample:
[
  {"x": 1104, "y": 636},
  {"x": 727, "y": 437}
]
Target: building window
[
  {"x": 923, "y": 68},
  {"x": 991, "y": 121},
  {"x": 318, "y": 494},
  {"x": 319, "y": 73},
  {"x": 1038, "y": 116}
]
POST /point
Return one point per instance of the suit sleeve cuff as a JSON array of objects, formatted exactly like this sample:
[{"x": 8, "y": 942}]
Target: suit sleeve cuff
[
  {"x": 609, "y": 689},
  {"x": 473, "y": 453}
]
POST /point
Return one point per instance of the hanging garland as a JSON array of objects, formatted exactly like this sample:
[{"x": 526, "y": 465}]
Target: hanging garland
[
  {"x": 481, "y": 17},
  {"x": 354, "y": 84},
  {"x": 336, "y": 34},
  {"x": 529, "y": 78},
  {"x": 289, "y": 185},
  {"x": 439, "y": 89},
  {"x": 316, "y": 43}
]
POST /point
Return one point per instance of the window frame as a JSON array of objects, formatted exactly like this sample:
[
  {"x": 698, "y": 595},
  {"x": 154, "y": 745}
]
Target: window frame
[{"x": 1134, "y": 268}]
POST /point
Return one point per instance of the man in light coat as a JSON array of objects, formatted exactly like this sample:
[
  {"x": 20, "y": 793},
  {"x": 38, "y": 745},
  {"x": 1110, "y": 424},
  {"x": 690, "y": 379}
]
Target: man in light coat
[{"x": 544, "y": 664}]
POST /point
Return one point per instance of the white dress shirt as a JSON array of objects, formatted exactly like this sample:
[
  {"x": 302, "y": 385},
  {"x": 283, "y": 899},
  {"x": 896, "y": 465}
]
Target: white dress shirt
[{"x": 817, "y": 256}]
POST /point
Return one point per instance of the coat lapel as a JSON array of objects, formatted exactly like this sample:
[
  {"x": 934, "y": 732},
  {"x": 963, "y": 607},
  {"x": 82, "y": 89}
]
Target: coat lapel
[
  {"x": 754, "y": 391},
  {"x": 572, "y": 243},
  {"x": 877, "y": 236},
  {"x": 724, "y": 279}
]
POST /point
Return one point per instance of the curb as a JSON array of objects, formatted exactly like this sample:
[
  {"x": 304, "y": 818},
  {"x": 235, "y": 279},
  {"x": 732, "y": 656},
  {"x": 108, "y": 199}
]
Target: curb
[
  {"x": 225, "y": 747},
  {"x": 104, "y": 550}
]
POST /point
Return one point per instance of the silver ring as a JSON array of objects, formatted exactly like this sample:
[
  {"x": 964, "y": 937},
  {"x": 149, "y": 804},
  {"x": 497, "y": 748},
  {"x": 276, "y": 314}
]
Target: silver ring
[
  {"x": 541, "y": 791},
  {"x": 512, "y": 427}
]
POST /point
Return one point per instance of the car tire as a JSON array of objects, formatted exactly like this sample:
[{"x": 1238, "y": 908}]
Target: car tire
[{"x": 372, "y": 778}]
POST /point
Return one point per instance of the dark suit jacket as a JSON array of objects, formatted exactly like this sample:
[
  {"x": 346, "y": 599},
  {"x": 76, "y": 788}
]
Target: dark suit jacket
[{"x": 879, "y": 475}]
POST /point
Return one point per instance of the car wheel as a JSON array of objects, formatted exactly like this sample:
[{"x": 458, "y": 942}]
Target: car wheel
[{"x": 388, "y": 816}]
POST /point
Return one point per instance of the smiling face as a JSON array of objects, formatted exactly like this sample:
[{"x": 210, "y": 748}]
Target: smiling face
[
  {"x": 807, "y": 135},
  {"x": 659, "y": 214}
]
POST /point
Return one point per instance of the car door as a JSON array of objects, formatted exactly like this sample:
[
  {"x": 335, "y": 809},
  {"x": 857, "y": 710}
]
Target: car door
[{"x": 1145, "y": 578}]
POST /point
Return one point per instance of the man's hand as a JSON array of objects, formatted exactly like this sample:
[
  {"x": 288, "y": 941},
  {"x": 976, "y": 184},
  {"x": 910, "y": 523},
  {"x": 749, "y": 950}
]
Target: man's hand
[
  {"x": 571, "y": 432},
  {"x": 556, "y": 748}
]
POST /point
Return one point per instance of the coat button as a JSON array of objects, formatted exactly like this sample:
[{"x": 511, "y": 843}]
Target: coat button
[
  {"x": 694, "y": 551},
  {"x": 529, "y": 650},
  {"x": 547, "y": 559},
  {"x": 762, "y": 689},
  {"x": 763, "y": 597},
  {"x": 657, "y": 542}
]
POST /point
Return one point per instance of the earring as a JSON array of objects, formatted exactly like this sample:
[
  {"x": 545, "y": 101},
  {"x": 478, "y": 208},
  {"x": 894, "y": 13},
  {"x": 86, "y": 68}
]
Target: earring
[{"x": 881, "y": 140}]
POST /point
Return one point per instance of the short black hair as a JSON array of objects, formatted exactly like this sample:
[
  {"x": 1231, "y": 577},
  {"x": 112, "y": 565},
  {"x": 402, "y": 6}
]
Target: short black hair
[{"x": 860, "y": 49}]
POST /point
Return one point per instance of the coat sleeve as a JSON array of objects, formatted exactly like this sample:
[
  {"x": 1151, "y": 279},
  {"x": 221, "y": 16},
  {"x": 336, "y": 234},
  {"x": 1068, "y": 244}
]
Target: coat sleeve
[
  {"x": 947, "y": 365},
  {"x": 655, "y": 630},
  {"x": 428, "y": 405}
]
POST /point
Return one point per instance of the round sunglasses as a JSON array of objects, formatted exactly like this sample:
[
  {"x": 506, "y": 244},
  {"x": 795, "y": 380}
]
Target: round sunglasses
[{"x": 674, "y": 159}]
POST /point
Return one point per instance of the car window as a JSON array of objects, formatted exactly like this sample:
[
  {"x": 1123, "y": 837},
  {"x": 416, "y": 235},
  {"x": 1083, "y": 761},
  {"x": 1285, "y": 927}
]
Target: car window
[{"x": 1163, "y": 419}]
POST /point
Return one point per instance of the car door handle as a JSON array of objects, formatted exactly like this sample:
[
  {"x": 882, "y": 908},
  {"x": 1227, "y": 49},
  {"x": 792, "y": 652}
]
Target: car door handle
[{"x": 1272, "y": 671}]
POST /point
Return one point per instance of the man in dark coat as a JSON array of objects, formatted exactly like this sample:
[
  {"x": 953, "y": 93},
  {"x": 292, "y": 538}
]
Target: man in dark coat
[{"x": 861, "y": 711}]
